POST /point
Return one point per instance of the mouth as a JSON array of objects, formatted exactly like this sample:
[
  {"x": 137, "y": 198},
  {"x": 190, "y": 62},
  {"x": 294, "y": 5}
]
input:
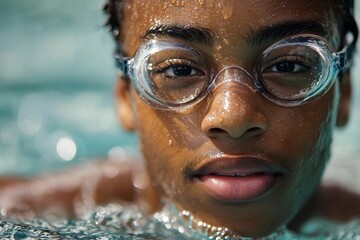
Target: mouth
[{"x": 238, "y": 179}]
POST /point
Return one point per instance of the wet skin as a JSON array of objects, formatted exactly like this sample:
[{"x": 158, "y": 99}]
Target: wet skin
[{"x": 234, "y": 125}]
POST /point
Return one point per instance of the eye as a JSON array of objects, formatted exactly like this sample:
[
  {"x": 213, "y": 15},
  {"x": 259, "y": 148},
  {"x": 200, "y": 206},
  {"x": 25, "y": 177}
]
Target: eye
[
  {"x": 290, "y": 64},
  {"x": 180, "y": 70},
  {"x": 177, "y": 68}
]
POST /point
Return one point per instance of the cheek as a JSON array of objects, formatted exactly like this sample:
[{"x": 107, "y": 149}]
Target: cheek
[
  {"x": 306, "y": 131},
  {"x": 311, "y": 144},
  {"x": 165, "y": 141}
]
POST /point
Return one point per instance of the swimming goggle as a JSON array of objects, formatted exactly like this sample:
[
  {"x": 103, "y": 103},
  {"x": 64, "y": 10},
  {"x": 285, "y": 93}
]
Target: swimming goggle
[{"x": 293, "y": 71}]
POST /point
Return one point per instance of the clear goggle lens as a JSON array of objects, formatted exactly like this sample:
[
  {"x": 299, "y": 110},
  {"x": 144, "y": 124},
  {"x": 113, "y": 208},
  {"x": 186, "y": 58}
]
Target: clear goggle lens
[
  {"x": 177, "y": 76},
  {"x": 292, "y": 72}
]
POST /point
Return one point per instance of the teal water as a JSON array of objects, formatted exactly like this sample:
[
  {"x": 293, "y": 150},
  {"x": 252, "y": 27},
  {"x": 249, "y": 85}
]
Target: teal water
[{"x": 56, "y": 79}]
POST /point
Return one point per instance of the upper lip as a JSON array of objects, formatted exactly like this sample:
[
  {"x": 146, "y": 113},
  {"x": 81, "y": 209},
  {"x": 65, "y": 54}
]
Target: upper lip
[{"x": 243, "y": 165}]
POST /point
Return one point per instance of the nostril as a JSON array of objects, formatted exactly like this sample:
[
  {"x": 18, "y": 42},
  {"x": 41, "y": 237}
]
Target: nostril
[
  {"x": 254, "y": 131},
  {"x": 215, "y": 131},
  {"x": 219, "y": 131}
]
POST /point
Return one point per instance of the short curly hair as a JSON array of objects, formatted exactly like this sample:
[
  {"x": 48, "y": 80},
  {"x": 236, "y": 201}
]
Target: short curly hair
[{"x": 114, "y": 12}]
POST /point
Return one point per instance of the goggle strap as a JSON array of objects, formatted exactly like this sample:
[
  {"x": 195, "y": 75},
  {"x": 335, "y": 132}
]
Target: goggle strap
[
  {"x": 123, "y": 64},
  {"x": 344, "y": 59},
  {"x": 341, "y": 60}
]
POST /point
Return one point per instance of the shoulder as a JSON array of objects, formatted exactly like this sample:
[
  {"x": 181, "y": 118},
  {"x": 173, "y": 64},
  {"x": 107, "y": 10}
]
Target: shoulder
[
  {"x": 337, "y": 203},
  {"x": 330, "y": 202}
]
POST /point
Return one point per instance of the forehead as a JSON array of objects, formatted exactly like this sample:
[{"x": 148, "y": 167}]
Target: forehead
[{"x": 227, "y": 19}]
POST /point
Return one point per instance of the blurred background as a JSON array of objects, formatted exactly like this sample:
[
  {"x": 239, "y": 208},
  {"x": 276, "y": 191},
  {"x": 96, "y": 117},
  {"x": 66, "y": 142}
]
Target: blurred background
[
  {"x": 56, "y": 97},
  {"x": 56, "y": 80}
]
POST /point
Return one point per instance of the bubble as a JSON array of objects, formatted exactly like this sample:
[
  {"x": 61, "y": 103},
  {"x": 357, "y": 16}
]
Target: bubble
[
  {"x": 66, "y": 148},
  {"x": 117, "y": 153},
  {"x": 110, "y": 171}
]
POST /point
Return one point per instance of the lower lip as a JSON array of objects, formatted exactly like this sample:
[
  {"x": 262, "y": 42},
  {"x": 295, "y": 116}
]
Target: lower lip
[{"x": 238, "y": 189}]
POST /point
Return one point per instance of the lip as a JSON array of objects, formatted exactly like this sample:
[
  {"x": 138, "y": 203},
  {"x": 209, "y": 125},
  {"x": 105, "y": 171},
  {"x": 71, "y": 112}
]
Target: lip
[{"x": 238, "y": 179}]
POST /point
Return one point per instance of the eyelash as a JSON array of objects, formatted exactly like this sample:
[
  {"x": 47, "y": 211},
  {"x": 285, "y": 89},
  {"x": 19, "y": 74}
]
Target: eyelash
[{"x": 169, "y": 63}]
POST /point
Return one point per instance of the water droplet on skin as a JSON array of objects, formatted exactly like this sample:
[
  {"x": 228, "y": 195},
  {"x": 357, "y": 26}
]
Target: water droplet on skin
[
  {"x": 140, "y": 180},
  {"x": 170, "y": 142},
  {"x": 201, "y": 2},
  {"x": 116, "y": 32},
  {"x": 218, "y": 47},
  {"x": 226, "y": 9},
  {"x": 166, "y": 5},
  {"x": 177, "y": 3}
]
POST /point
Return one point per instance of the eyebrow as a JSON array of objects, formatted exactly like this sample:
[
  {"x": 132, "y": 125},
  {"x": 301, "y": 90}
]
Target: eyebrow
[
  {"x": 205, "y": 36},
  {"x": 188, "y": 33},
  {"x": 281, "y": 30}
]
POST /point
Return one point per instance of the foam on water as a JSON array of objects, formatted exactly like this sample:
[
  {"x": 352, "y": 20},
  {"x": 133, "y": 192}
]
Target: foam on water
[{"x": 119, "y": 222}]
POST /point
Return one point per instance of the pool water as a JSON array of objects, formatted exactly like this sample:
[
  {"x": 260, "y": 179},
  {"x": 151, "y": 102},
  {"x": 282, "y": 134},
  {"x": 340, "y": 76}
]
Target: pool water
[{"x": 125, "y": 222}]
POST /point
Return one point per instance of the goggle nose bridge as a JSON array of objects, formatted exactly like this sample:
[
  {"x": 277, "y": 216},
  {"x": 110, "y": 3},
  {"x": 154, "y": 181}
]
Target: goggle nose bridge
[{"x": 236, "y": 74}]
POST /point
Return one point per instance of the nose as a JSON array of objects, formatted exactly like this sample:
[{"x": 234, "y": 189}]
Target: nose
[{"x": 234, "y": 113}]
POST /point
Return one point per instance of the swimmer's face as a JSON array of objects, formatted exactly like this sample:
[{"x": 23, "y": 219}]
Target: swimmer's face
[{"x": 278, "y": 153}]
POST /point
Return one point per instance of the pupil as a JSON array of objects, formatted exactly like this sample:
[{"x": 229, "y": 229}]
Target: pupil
[
  {"x": 182, "y": 70},
  {"x": 285, "y": 67}
]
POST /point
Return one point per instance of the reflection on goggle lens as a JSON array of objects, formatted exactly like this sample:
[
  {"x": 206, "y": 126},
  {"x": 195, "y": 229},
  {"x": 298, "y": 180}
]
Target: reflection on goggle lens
[{"x": 292, "y": 71}]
